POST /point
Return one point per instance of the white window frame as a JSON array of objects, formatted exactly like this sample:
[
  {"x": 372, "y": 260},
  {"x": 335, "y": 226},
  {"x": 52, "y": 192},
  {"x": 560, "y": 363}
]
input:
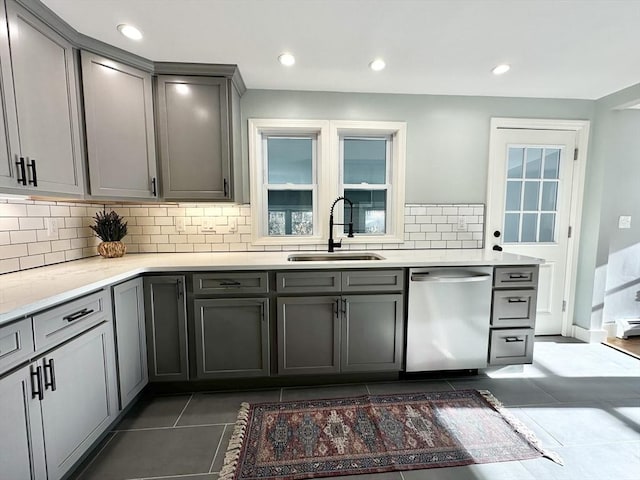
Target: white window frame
[
  {"x": 395, "y": 133},
  {"x": 328, "y": 176},
  {"x": 259, "y": 130}
]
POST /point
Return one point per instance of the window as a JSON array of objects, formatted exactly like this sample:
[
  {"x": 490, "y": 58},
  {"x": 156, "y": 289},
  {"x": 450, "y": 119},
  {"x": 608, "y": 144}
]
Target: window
[{"x": 299, "y": 167}]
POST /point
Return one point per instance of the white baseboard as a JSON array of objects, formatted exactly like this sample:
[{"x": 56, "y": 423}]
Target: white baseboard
[{"x": 589, "y": 336}]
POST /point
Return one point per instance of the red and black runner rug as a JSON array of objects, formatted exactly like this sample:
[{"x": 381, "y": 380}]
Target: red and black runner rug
[{"x": 374, "y": 433}]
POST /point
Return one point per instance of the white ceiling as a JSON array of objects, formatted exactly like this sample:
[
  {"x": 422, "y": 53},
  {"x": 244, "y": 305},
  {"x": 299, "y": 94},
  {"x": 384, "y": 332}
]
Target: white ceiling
[{"x": 557, "y": 48}]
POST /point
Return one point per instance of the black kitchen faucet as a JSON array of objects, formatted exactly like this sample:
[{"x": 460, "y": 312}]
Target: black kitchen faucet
[{"x": 338, "y": 244}]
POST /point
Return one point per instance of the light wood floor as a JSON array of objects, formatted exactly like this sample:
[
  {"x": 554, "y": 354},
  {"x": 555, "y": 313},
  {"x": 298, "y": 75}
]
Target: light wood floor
[{"x": 630, "y": 346}]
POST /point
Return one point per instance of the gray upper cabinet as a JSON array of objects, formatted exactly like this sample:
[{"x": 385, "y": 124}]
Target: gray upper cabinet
[
  {"x": 194, "y": 142},
  {"x": 118, "y": 104},
  {"x": 44, "y": 147}
]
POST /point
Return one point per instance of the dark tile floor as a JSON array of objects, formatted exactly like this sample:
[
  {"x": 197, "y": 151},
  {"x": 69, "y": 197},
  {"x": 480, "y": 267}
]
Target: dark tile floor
[{"x": 581, "y": 400}]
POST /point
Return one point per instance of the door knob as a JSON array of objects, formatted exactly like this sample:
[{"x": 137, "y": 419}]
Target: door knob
[{"x": 497, "y": 248}]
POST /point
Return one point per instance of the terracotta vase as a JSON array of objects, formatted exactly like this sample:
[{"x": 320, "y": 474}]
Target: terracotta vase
[{"x": 112, "y": 249}]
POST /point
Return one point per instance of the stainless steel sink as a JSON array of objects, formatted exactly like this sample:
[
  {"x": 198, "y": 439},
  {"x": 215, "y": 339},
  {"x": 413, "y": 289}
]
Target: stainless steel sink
[{"x": 331, "y": 257}]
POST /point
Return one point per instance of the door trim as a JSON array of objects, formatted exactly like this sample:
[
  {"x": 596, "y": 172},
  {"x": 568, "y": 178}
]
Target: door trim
[{"x": 581, "y": 128}]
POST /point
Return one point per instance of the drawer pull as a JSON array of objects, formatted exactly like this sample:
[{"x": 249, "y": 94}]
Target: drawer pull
[
  {"x": 51, "y": 381},
  {"x": 517, "y": 300},
  {"x": 230, "y": 283},
  {"x": 519, "y": 276},
  {"x": 36, "y": 389},
  {"x": 75, "y": 316},
  {"x": 513, "y": 339}
]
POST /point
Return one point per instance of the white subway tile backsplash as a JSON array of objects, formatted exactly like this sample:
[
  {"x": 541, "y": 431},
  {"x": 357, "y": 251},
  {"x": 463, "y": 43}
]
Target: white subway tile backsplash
[{"x": 152, "y": 228}]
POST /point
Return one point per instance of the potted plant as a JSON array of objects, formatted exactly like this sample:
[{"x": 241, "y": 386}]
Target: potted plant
[{"x": 110, "y": 228}]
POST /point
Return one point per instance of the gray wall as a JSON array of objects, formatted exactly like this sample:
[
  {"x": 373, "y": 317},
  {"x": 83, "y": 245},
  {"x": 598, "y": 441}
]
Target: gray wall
[
  {"x": 613, "y": 189},
  {"x": 447, "y": 147}
]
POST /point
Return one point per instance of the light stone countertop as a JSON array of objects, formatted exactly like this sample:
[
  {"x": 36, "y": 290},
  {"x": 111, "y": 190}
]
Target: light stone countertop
[{"x": 24, "y": 293}]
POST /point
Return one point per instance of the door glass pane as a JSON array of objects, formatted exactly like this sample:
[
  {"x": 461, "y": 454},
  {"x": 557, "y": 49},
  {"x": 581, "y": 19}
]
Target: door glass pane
[
  {"x": 551, "y": 162},
  {"x": 534, "y": 163},
  {"x": 511, "y": 227},
  {"x": 515, "y": 159},
  {"x": 369, "y": 211},
  {"x": 290, "y": 212},
  {"x": 549, "y": 196},
  {"x": 547, "y": 227},
  {"x": 290, "y": 160},
  {"x": 365, "y": 161},
  {"x": 531, "y": 192},
  {"x": 514, "y": 192},
  {"x": 529, "y": 227}
]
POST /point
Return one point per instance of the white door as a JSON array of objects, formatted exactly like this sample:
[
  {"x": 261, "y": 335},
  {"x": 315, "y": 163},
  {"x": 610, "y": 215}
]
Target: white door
[{"x": 529, "y": 206}]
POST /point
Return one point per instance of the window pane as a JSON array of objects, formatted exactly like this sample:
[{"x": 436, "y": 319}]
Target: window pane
[
  {"x": 547, "y": 227},
  {"x": 369, "y": 211},
  {"x": 551, "y": 162},
  {"x": 531, "y": 193},
  {"x": 516, "y": 156},
  {"x": 549, "y": 196},
  {"x": 514, "y": 191},
  {"x": 529, "y": 227},
  {"x": 365, "y": 161},
  {"x": 534, "y": 162},
  {"x": 290, "y": 212},
  {"x": 289, "y": 160},
  {"x": 511, "y": 227}
]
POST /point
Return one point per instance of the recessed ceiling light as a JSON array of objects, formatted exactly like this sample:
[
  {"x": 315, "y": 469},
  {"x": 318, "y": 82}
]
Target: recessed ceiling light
[
  {"x": 286, "y": 59},
  {"x": 500, "y": 69},
  {"x": 130, "y": 31},
  {"x": 377, "y": 65}
]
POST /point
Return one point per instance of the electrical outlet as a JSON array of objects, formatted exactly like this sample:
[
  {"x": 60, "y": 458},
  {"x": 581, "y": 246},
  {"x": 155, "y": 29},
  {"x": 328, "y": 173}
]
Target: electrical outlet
[
  {"x": 461, "y": 226},
  {"x": 52, "y": 227},
  {"x": 624, "y": 221},
  {"x": 208, "y": 225},
  {"x": 180, "y": 225},
  {"x": 233, "y": 225}
]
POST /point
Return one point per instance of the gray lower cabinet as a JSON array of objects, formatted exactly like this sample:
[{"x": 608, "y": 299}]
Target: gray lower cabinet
[
  {"x": 193, "y": 137},
  {"x": 232, "y": 337},
  {"x": 41, "y": 100},
  {"x": 166, "y": 327},
  {"x": 131, "y": 343},
  {"x": 118, "y": 105},
  {"x": 372, "y": 333},
  {"x": 308, "y": 335}
]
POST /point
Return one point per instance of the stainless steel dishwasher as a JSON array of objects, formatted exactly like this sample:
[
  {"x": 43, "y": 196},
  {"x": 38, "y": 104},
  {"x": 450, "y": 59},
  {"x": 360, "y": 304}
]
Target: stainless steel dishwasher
[{"x": 448, "y": 318}]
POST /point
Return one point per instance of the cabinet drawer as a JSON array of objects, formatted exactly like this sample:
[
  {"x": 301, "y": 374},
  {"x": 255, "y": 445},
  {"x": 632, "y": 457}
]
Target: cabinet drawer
[
  {"x": 511, "y": 346},
  {"x": 372, "y": 280},
  {"x": 16, "y": 344},
  {"x": 525, "y": 276},
  {"x": 514, "y": 308},
  {"x": 226, "y": 283},
  {"x": 61, "y": 323},
  {"x": 318, "y": 281}
]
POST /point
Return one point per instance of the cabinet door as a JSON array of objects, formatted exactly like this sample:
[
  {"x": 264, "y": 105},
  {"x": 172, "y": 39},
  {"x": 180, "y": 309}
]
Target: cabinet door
[
  {"x": 21, "y": 442},
  {"x": 46, "y": 102},
  {"x": 80, "y": 397},
  {"x": 131, "y": 343},
  {"x": 193, "y": 126},
  {"x": 120, "y": 134},
  {"x": 308, "y": 335},
  {"x": 372, "y": 332},
  {"x": 232, "y": 337},
  {"x": 166, "y": 326}
]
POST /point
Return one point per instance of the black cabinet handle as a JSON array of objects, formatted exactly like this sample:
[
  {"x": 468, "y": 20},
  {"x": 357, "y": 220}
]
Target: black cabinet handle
[
  {"x": 225, "y": 186},
  {"x": 36, "y": 390},
  {"x": 22, "y": 173},
  {"x": 153, "y": 187},
  {"x": 51, "y": 381},
  {"x": 519, "y": 276},
  {"x": 34, "y": 176},
  {"x": 344, "y": 306},
  {"x": 337, "y": 307},
  {"x": 230, "y": 283},
  {"x": 513, "y": 339},
  {"x": 517, "y": 300},
  {"x": 179, "y": 287},
  {"x": 75, "y": 316}
]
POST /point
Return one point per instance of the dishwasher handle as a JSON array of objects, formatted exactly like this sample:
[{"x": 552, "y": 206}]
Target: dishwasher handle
[{"x": 458, "y": 276}]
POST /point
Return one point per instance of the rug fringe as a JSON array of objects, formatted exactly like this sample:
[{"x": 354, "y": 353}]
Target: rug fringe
[
  {"x": 228, "y": 470},
  {"x": 520, "y": 427}
]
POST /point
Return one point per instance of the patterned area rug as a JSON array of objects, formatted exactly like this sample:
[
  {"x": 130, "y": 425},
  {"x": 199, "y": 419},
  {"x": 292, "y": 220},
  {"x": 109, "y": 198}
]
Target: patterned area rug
[{"x": 372, "y": 434}]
